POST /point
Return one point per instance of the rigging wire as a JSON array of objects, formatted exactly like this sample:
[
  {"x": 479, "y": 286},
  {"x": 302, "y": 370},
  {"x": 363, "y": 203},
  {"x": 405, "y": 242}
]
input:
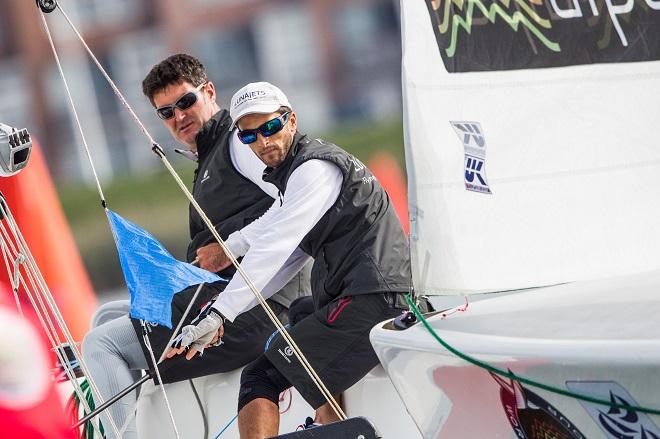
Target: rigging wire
[
  {"x": 73, "y": 108},
  {"x": 101, "y": 195},
  {"x": 299, "y": 355},
  {"x": 181, "y": 320},
  {"x": 107, "y": 77},
  {"x": 147, "y": 342},
  {"x": 521, "y": 379},
  {"x": 13, "y": 277},
  {"x": 94, "y": 387},
  {"x": 161, "y": 154},
  {"x": 138, "y": 383},
  {"x": 36, "y": 286},
  {"x": 20, "y": 259}
]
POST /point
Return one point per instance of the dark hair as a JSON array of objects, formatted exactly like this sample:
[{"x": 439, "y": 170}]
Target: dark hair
[{"x": 173, "y": 70}]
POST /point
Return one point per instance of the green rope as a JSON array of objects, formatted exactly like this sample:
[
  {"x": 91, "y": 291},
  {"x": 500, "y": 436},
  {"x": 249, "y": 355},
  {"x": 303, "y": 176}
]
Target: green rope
[
  {"x": 520, "y": 379},
  {"x": 74, "y": 407}
]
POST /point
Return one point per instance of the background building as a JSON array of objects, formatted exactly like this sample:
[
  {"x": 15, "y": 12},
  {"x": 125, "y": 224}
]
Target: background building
[{"x": 337, "y": 60}]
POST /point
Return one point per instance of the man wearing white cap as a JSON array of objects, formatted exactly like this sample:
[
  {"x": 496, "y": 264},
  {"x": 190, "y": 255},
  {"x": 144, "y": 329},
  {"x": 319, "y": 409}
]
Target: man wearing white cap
[{"x": 330, "y": 208}]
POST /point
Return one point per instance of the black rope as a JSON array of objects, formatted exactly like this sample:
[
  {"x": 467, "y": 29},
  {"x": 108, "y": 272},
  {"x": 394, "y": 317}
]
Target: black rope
[{"x": 201, "y": 409}]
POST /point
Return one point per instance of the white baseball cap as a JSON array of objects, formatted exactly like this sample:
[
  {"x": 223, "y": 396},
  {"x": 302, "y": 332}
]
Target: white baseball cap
[{"x": 257, "y": 97}]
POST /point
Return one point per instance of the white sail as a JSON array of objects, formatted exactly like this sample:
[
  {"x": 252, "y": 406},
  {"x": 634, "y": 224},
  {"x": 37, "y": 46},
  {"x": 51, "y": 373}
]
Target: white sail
[{"x": 564, "y": 157}]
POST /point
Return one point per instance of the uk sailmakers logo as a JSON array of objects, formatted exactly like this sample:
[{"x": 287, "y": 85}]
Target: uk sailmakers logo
[
  {"x": 615, "y": 422},
  {"x": 474, "y": 148},
  {"x": 487, "y": 35},
  {"x": 531, "y": 416}
]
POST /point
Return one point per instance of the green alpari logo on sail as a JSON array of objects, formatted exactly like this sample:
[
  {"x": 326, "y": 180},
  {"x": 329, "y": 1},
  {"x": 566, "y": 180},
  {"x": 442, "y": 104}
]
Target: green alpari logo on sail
[{"x": 543, "y": 33}]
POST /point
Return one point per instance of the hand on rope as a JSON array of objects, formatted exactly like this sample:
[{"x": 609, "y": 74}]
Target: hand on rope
[
  {"x": 212, "y": 257},
  {"x": 205, "y": 330}
]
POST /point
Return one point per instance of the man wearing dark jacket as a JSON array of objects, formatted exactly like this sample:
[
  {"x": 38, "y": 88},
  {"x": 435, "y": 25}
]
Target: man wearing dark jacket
[
  {"x": 334, "y": 210},
  {"x": 185, "y": 100}
]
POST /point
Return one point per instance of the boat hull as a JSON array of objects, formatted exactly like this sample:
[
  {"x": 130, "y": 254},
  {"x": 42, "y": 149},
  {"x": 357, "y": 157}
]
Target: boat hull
[
  {"x": 591, "y": 338},
  {"x": 373, "y": 397}
]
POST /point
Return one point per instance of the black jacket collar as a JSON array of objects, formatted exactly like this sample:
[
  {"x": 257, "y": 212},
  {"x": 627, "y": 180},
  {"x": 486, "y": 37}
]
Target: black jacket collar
[
  {"x": 295, "y": 146},
  {"x": 279, "y": 175},
  {"x": 211, "y": 131}
]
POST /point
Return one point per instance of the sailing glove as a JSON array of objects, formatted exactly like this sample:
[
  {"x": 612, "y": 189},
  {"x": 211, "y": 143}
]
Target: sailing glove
[{"x": 201, "y": 332}]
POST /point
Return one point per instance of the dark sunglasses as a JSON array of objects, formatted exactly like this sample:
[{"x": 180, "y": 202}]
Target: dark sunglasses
[
  {"x": 183, "y": 103},
  {"x": 266, "y": 129}
]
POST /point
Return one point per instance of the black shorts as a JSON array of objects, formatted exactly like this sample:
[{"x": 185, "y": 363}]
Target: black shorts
[
  {"x": 244, "y": 340},
  {"x": 335, "y": 341}
]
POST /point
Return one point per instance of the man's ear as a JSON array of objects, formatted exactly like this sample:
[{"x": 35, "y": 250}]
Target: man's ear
[
  {"x": 210, "y": 89},
  {"x": 293, "y": 122}
]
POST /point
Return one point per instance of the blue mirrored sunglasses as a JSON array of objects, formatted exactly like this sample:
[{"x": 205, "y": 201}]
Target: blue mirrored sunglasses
[{"x": 266, "y": 129}]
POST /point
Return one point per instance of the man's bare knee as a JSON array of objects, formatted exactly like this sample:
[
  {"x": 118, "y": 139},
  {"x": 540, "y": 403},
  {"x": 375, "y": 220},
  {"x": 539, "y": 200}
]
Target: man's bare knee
[{"x": 259, "y": 419}]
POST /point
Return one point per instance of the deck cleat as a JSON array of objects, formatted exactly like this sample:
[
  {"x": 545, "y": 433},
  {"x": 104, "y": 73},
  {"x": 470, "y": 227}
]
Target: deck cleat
[{"x": 405, "y": 320}]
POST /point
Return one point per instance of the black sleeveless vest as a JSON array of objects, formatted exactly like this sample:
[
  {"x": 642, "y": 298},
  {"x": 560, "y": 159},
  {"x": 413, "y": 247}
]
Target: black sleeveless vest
[
  {"x": 230, "y": 200},
  {"x": 358, "y": 245}
]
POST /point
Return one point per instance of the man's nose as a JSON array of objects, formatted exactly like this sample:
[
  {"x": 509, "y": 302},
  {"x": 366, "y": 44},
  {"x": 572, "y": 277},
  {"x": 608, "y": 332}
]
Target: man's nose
[
  {"x": 262, "y": 140},
  {"x": 178, "y": 113}
]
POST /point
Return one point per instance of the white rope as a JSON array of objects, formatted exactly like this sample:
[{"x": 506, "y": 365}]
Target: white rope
[
  {"x": 271, "y": 315},
  {"x": 128, "y": 420},
  {"x": 131, "y": 414},
  {"x": 95, "y": 390},
  {"x": 46, "y": 323},
  {"x": 73, "y": 107},
  {"x": 12, "y": 277},
  {"x": 20, "y": 259},
  {"x": 107, "y": 77},
  {"x": 8, "y": 246},
  {"x": 31, "y": 270},
  {"x": 160, "y": 381},
  {"x": 35, "y": 276},
  {"x": 178, "y": 326},
  {"x": 42, "y": 293},
  {"x": 294, "y": 347},
  {"x": 162, "y": 356}
]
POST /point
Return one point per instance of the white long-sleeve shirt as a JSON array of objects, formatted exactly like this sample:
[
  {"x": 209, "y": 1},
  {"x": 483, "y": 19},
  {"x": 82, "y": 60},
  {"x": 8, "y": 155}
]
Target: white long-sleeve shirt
[
  {"x": 249, "y": 165},
  {"x": 270, "y": 244}
]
